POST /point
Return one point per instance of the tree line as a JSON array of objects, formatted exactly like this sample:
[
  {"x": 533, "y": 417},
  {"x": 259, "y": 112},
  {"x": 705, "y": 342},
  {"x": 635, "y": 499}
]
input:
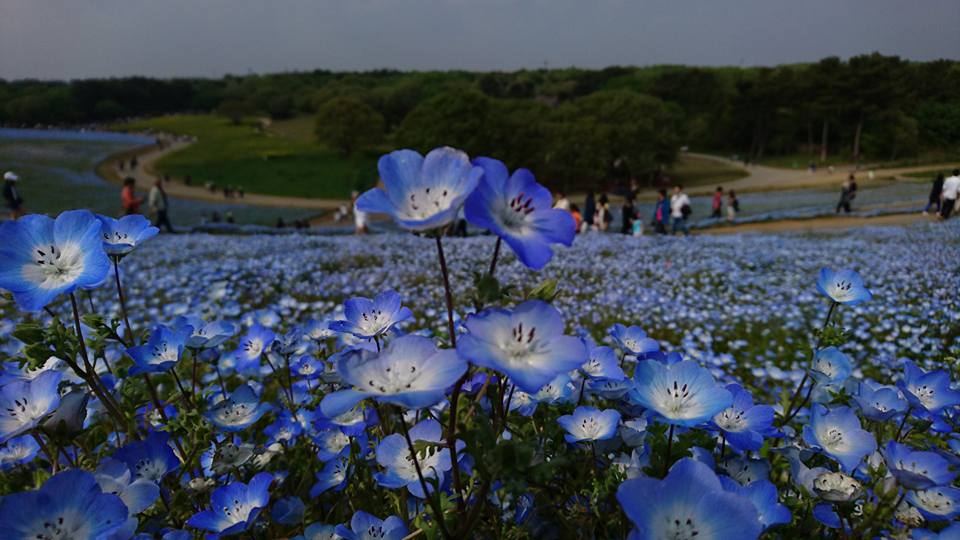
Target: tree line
[{"x": 565, "y": 124}]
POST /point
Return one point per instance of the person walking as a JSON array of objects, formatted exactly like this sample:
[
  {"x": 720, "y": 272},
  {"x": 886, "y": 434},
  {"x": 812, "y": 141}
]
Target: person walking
[
  {"x": 627, "y": 213},
  {"x": 159, "y": 206},
  {"x": 11, "y": 195},
  {"x": 661, "y": 213},
  {"x": 848, "y": 191},
  {"x": 733, "y": 206},
  {"x": 717, "y": 203},
  {"x": 359, "y": 216},
  {"x": 934, "y": 199},
  {"x": 128, "y": 197},
  {"x": 577, "y": 219},
  {"x": 948, "y": 195},
  {"x": 589, "y": 209},
  {"x": 563, "y": 203},
  {"x": 680, "y": 210}
]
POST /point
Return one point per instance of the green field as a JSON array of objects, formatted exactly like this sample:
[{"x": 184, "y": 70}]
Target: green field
[
  {"x": 283, "y": 160},
  {"x": 691, "y": 171}
]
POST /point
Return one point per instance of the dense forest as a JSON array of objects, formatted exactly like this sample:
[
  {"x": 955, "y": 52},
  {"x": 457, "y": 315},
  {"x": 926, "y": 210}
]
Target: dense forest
[{"x": 617, "y": 122}]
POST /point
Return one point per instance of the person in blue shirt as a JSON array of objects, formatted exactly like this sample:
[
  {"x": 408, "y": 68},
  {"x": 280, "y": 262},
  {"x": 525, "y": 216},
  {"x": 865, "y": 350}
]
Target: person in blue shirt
[{"x": 661, "y": 213}]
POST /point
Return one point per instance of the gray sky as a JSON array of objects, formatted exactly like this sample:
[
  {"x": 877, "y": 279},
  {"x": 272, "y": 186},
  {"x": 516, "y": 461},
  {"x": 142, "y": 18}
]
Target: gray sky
[{"x": 95, "y": 38}]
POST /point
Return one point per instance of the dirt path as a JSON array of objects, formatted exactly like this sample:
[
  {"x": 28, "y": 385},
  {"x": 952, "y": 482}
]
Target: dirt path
[
  {"x": 145, "y": 175},
  {"x": 841, "y": 222}
]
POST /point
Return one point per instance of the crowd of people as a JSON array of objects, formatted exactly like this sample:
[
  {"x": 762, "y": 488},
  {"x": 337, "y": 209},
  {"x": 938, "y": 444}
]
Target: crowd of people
[{"x": 671, "y": 213}]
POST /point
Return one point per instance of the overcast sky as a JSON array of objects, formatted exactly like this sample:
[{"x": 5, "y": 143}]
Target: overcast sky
[{"x": 65, "y": 39}]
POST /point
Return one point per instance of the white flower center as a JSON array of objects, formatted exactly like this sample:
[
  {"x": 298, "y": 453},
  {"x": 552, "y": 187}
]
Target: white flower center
[
  {"x": 841, "y": 290},
  {"x": 373, "y": 322},
  {"x": 149, "y": 470},
  {"x": 677, "y": 399},
  {"x": 253, "y": 347},
  {"x": 589, "y": 428},
  {"x": 393, "y": 377},
  {"x": 514, "y": 215},
  {"x": 65, "y": 526},
  {"x": 934, "y": 501},
  {"x": 925, "y": 394},
  {"x": 424, "y": 203},
  {"x": 54, "y": 266},
  {"x": 731, "y": 420}
]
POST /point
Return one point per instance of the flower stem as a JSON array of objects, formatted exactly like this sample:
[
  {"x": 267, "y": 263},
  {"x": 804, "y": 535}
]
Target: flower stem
[
  {"x": 790, "y": 412},
  {"x": 903, "y": 422},
  {"x": 496, "y": 255},
  {"x": 455, "y": 394},
  {"x": 666, "y": 459},
  {"x": 123, "y": 302},
  {"x": 437, "y": 510}
]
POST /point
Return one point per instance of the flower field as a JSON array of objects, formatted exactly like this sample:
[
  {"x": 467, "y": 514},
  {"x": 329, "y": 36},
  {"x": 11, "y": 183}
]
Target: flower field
[{"x": 783, "y": 386}]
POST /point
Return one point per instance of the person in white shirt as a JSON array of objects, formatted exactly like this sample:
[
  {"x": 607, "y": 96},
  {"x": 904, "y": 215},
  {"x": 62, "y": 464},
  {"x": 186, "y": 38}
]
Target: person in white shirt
[
  {"x": 679, "y": 210},
  {"x": 951, "y": 188},
  {"x": 562, "y": 202}
]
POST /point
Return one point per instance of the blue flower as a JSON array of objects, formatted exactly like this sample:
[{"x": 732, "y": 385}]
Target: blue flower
[
  {"x": 42, "y": 258},
  {"x": 68, "y": 505},
  {"x": 633, "y": 340},
  {"x": 927, "y": 390},
  {"x": 410, "y": 372},
  {"x": 363, "y": 526},
  {"x": 878, "y": 402},
  {"x": 394, "y": 455},
  {"x": 288, "y": 511},
  {"x": 527, "y": 344},
  {"x": 842, "y": 286},
  {"x": 689, "y": 503},
  {"x": 372, "y": 318},
  {"x": 205, "y": 335},
  {"x": 234, "y": 507},
  {"x": 763, "y": 495},
  {"x": 121, "y": 236},
  {"x": 18, "y": 450},
  {"x": 161, "y": 352},
  {"x": 602, "y": 364},
  {"x": 23, "y": 404},
  {"x": 838, "y": 434},
  {"x": 825, "y": 514},
  {"x": 520, "y": 211},
  {"x": 830, "y": 366},
  {"x": 915, "y": 469},
  {"x": 150, "y": 459},
  {"x": 744, "y": 424},
  {"x": 333, "y": 476},
  {"x": 239, "y": 411},
  {"x": 936, "y": 504},
  {"x": 137, "y": 494},
  {"x": 589, "y": 424},
  {"x": 333, "y": 443},
  {"x": 951, "y": 532},
  {"x": 252, "y": 345},
  {"x": 422, "y": 193},
  {"x": 319, "y": 531},
  {"x": 684, "y": 393}
]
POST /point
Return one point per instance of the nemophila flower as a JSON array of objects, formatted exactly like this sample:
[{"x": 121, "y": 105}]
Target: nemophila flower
[
  {"x": 826, "y": 515},
  {"x": 137, "y": 494},
  {"x": 830, "y": 366},
  {"x": 366, "y": 318},
  {"x": 744, "y": 424},
  {"x": 24, "y": 404},
  {"x": 319, "y": 531},
  {"x": 633, "y": 340},
  {"x": 520, "y": 211},
  {"x": 878, "y": 402},
  {"x": 602, "y": 363},
  {"x": 916, "y": 469},
  {"x": 333, "y": 476},
  {"x": 308, "y": 367},
  {"x": 952, "y": 532},
  {"x": 837, "y": 487},
  {"x": 70, "y": 415},
  {"x": 842, "y": 286},
  {"x": 683, "y": 393},
  {"x": 937, "y": 503},
  {"x": 42, "y": 258},
  {"x": 927, "y": 390},
  {"x": 363, "y": 526},
  {"x": 252, "y": 345},
  {"x": 527, "y": 344},
  {"x": 422, "y": 193},
  {"x": 763, "y": 495},
  {"x": 744, "y": 469},
  {"x": 689, "y": 503},
  {"x": 238, "y": 411},
  {"x": 588, "y": 424},
  {"x": 205, "y": 335},
  {"x": 331, "y": 443},
  {"x": 121, "y": 236},
  {"x": 150, "y": 459},
  {"x": 838, "y": 434},
  {"x": 288, "y": 511},
  {"x": 68, "y": 505},
  {"x": 235, "y": 507},
  {"x": 161, "y": 352},
  {"x": 353, "y": 422},
  {"x": 393, "y": 454},
  {"x": 410, "y": 372},
  {"x": 18, "y": 450}
]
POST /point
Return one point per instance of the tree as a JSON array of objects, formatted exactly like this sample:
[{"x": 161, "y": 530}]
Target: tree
[
  {"x": 349, "y": 124},
  {"x": 455, "y": 118},
  {"x": 235, "y": 110}
]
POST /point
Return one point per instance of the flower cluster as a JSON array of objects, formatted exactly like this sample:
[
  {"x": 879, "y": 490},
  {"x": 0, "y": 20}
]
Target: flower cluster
[{"x": 229, "y": 398}]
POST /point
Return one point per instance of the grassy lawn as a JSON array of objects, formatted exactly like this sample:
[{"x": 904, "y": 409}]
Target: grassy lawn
[
  {"x": 284, "y": 160},
  {"x": 693, "y": 171},
  {"x": 801, "y": 161}
]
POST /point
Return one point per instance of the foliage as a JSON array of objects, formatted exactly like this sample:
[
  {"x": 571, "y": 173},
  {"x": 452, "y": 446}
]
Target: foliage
[{"x": 348, "y": 125}]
